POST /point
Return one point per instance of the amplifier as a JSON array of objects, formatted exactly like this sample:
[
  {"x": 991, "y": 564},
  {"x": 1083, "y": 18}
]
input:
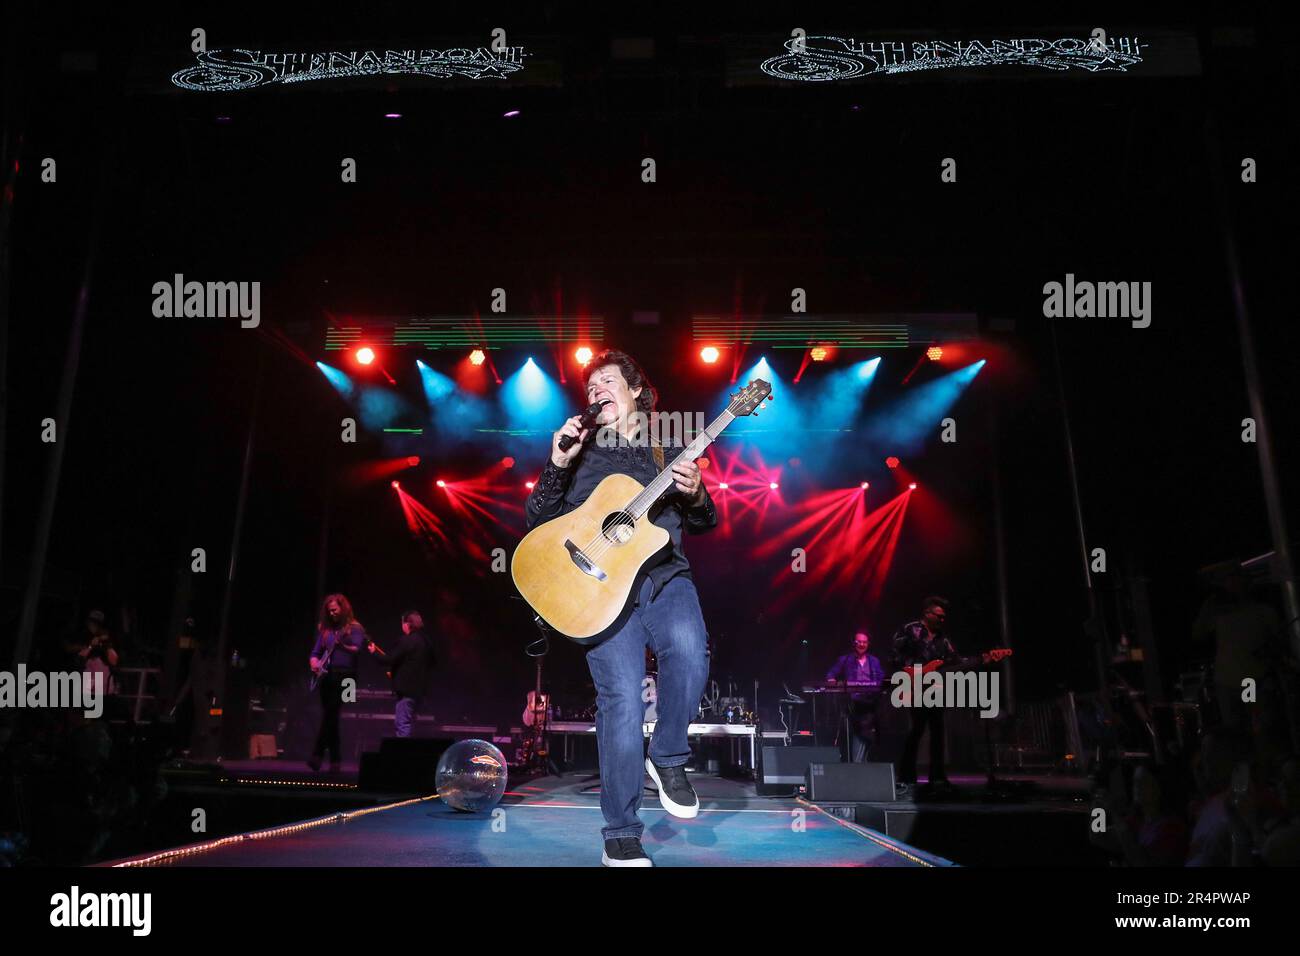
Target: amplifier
[
  {"x": 784, "y": 769},
  {"x": 262, "y": 745},
  {"x": 851, "y": 782}
]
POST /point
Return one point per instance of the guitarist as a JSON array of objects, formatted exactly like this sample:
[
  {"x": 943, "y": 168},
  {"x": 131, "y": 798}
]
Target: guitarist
[
  {"x": 340, "y": 636},
  {"x": 666, "y": 616},
  {"x": 921, "y": 642},
  {"x": 410, "y": 665}
]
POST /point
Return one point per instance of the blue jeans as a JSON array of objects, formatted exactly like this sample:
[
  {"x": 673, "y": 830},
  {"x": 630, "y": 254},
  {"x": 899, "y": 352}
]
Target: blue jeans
[
  {"x": 404, "y": 716},
  {"x": 673, "y": 627}
]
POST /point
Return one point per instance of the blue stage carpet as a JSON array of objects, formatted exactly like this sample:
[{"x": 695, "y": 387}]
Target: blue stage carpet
[{"x": 557, "y": 823}]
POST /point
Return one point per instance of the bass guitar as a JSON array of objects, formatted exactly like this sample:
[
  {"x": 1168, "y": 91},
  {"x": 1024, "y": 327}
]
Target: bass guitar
[
  {"x": 904, "y": 693},
  {"x": 322, "y": 668}
]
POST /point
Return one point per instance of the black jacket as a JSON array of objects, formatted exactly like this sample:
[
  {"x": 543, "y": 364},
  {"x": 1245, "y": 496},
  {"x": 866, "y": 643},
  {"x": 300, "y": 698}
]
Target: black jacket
[
  {"x": 560, "y": 490},
  {"x": 913, "y": 645},
  {"x": 412, "y": 663}
]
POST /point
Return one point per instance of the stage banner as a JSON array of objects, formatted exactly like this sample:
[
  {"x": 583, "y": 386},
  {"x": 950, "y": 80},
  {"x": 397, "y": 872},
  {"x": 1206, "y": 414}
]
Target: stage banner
[
  {"x": 410, "y": 63},
  {"x": 1047, "y": 54}
]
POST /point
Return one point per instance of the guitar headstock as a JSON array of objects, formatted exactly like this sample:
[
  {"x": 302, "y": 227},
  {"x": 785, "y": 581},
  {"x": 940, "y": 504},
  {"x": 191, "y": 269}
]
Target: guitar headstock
[{"x": 747, "y": 400}]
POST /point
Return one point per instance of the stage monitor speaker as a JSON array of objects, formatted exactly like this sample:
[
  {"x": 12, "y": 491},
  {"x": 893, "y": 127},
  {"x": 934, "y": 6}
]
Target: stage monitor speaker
[
  {"x": 784, "y": 769},
  {"x": 851, "y": 782},
  {"x": 403, "y": 765}
]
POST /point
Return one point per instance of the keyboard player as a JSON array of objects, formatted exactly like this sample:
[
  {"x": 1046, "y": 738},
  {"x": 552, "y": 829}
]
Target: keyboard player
[{"x": 863, "y": 676}]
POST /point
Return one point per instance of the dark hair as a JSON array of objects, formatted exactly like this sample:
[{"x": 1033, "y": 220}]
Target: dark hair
[
  {"x": 345, "y": 611},
  {"x": 934, "y": 601},
  {"x": 632, "y": 373},
  {"x": 414, "y": 619}
]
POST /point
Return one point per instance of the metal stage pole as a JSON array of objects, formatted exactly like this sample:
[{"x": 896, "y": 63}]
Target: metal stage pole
[
  {"x": 11, "y": 149},
  {"x": 1096, "y": 624},
  {"x": 1000, "y": 548},
  {"x": 223, "y": 629},
  {"x": 62, "y": 416},
  {"x": 1283, "y": 565}
]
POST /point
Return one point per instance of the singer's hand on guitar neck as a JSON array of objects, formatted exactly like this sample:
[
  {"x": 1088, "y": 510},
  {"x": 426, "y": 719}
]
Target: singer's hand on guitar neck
[
  {"x": 573, "y": 428},
  {"x": 686, "y": 476}
]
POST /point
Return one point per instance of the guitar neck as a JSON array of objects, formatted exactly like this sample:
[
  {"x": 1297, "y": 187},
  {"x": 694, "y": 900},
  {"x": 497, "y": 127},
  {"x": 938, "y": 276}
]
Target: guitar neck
[
  {"x": 664, "y": 480},
  {"x": 974, "y": 660}
]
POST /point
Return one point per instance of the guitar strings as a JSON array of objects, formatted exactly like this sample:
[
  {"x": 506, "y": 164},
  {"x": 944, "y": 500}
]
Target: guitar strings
[{"x": 603, "y": 541}]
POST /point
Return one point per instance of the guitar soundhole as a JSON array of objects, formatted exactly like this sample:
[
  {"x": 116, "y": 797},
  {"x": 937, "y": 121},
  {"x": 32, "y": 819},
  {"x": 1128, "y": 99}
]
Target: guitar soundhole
[{"x": 618, "y": 528}]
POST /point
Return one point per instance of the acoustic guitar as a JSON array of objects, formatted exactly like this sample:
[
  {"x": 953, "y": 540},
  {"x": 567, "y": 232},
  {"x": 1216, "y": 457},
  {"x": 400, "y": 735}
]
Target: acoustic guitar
[{"x": 577, "y": 571}]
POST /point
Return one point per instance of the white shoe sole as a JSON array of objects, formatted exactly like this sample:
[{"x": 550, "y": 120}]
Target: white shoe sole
[
  {"x": 606, "y": 860},
  {"x": 676, "y": 809}
]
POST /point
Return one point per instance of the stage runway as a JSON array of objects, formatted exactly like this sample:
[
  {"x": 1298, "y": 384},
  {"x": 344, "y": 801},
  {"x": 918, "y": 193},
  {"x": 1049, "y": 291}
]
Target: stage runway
[{"x": 554, "y": 821}]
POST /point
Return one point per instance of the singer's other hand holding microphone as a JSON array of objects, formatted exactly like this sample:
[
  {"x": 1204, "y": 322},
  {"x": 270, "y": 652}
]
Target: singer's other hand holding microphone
[{"x": 574, "y": 429}]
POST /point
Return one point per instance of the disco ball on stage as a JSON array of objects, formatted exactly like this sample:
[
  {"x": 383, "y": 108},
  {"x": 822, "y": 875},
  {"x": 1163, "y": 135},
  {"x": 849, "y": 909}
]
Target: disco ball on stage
[{"x": 471, "y": 776}]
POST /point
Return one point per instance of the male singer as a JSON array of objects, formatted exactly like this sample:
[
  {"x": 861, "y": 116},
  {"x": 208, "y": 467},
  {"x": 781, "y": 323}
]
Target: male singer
[{"x": 666, "y": 617}]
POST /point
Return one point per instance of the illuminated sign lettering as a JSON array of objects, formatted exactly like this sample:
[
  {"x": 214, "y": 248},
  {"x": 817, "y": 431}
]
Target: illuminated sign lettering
[
  {"x": 822, "y": 59},
  {"x": 228, "y": 70}
]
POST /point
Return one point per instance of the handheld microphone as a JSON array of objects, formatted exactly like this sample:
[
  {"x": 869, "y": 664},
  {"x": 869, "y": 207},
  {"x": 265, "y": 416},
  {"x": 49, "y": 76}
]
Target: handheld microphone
[{"x": 588, "y": 421}]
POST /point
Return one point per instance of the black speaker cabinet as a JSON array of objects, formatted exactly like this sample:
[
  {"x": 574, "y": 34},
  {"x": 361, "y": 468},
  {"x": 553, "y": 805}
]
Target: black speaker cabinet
[
  {"x": 850, "y": 782},
  {"x": 784, "y": 769}
]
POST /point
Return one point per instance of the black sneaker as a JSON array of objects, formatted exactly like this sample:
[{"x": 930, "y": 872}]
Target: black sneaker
[
  {"x": 624, "y": 851},
  {"x": 675, "y": 791}
]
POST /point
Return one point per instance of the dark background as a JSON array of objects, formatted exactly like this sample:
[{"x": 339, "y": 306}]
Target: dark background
[{"x": 831, "y": 187}]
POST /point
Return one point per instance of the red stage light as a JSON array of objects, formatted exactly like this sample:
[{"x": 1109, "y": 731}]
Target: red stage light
[
  {"x": 866, "y": 485},
  {"x": 772, "y": 485},
  {"x": 412, "y": 461},
  {"x": 709, "y": 354},
  {"x": 703, "y": 463},
  {"x": 912, "y": 486},
  {"x": 365, "y": 355},
  {"x": 528, "y": 485},
  {"x": 891, "y": 461},
  {"x": 818, "y": 353},
  {"x": 508, "y": 462},
  {"x": 722, "y": 485},
  {"x": 583, "y": 355},
  {"x": 441, "y": 483},
  {"x": 396, "y": 485},
  {"x": 934, "y": 353},
  {"x": 476, "y": 357}
]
